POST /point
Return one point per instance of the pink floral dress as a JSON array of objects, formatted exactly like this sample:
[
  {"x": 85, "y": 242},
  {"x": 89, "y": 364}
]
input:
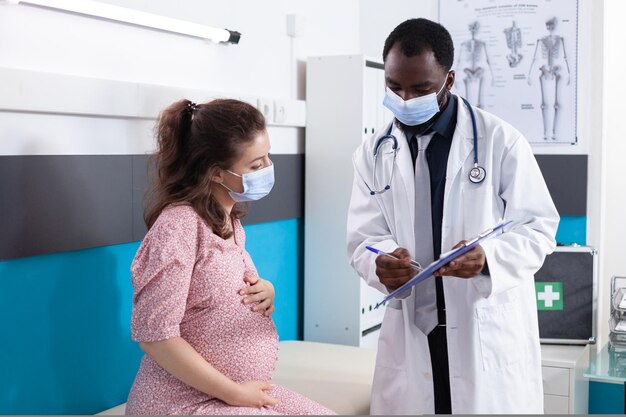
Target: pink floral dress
[{"x": 186, "y": 281}]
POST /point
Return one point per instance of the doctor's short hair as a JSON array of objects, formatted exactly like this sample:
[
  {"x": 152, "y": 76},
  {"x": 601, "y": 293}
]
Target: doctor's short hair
[{"x": 417, "y": 35}]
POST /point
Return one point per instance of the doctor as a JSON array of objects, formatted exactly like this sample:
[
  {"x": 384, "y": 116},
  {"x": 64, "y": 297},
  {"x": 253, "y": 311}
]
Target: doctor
[{"x": 466, "y": 341}]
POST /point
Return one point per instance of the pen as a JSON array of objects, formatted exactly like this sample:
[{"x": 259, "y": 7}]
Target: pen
[{"x": 414, "y": 264}]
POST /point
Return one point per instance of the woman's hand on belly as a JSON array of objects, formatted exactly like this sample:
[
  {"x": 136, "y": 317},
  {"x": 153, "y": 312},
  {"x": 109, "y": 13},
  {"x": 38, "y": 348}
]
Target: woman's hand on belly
[
  {"x": 261, "y": 292},
  {"x": 251, "y": 394}
]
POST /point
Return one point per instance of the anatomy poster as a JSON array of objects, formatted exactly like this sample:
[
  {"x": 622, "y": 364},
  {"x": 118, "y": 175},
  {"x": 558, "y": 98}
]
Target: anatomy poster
[{"x": 518, "y": 60}]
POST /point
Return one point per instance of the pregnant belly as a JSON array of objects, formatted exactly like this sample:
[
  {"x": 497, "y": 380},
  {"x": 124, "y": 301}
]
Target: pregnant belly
[{"x": 241, "y": 344}]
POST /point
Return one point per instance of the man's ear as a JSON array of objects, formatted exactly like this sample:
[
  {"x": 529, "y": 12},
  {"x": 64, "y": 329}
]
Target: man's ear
[{"x": 450, "y": 80}]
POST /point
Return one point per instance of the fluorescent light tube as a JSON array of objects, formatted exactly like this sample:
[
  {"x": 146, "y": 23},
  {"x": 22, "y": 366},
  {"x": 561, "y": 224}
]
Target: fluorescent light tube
[{"x": 135, "y": 17}]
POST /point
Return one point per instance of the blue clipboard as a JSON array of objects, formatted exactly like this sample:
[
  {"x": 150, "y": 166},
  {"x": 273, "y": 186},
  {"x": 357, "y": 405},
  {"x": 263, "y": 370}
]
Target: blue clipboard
[{"x": 445, "y": 259}]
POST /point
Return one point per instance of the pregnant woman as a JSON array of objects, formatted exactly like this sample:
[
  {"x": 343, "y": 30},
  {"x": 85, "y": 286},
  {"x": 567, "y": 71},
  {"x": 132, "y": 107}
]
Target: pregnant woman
[{"x": 200, "y": 311}]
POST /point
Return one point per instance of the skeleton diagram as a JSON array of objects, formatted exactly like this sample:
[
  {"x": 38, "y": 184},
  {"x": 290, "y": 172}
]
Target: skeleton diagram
[
  {"x": 514, "y": 42},
  {"x": 472, "y": 54},
  {"x": 552, "y": 49}
]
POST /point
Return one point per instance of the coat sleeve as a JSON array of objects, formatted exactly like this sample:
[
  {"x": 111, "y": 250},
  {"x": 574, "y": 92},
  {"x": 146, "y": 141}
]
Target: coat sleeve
[
  {"x": 367, "y": 226},
  {"x": 517, "y": 254}
]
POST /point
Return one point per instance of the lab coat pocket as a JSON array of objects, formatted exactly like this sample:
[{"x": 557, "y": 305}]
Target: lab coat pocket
[
  {"x": 500, "y": 337},
  {"x": 478, "y": 209}
]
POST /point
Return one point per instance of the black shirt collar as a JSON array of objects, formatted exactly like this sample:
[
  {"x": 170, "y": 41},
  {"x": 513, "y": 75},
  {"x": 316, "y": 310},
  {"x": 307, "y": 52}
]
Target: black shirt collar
[{"x": 445, "y": 124}]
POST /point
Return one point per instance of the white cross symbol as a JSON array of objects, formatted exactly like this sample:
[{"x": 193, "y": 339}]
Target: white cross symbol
[{"x": 547, "y": 296}]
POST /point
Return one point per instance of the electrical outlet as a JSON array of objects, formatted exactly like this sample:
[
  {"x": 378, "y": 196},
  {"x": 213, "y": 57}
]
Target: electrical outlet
[
  {"x": 280, "y": 110},
  {"x": 266, "y": 107},
  {"x": 295, "y": 25}
]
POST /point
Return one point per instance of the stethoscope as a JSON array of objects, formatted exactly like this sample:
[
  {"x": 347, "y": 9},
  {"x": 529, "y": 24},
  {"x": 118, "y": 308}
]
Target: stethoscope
[{"x": 476, "y": 174}]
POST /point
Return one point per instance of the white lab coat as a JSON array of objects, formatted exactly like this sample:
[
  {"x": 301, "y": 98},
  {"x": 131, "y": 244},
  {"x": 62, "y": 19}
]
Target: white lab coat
[{"x": 492, "y": 331}]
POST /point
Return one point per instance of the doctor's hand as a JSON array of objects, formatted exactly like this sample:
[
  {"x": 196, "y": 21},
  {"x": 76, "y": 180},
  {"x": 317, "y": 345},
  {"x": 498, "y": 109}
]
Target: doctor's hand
[
  {"x": 259, "y": 291},
  {"x": 467, "y": 265},
  {"x": 393, "y": 273}
]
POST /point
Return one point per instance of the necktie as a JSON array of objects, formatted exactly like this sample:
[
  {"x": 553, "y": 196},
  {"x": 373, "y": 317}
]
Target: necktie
[
  {"x": 414, "y": 150},
  {"x": 425, "y": 292}
]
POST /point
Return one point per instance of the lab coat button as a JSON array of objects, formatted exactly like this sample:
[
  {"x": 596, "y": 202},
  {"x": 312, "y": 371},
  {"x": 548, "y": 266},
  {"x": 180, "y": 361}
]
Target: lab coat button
[{"x": 427, "y": 375}]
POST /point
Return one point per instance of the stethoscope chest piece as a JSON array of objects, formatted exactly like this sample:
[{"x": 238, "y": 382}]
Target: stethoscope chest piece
[{"x": 477, "y": 174}]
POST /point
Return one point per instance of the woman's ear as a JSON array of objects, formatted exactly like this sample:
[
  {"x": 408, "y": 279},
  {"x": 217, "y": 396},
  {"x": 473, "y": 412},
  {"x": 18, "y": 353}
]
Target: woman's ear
[{"x": 217, "y": 175}]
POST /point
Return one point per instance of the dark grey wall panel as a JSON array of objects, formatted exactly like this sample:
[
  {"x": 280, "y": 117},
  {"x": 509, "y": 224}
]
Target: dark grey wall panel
[
  {"x": 140, "y": 185},
  {"x": 566, "y": 177},
  {"x": 286, "y": 200},
  {"x": 58, "y": 203}
]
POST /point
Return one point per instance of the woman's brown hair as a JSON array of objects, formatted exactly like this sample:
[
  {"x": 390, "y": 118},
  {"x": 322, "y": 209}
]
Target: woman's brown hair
[{"x": 193, "y": 140}]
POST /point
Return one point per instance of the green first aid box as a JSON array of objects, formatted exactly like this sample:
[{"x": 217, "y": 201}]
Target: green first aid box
[{"x": 565, "y": 292}]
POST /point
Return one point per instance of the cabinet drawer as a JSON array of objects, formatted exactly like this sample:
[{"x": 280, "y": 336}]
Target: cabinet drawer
[
  {"x": 555, "y": 380},
  {"x": 554, "y": 404}
]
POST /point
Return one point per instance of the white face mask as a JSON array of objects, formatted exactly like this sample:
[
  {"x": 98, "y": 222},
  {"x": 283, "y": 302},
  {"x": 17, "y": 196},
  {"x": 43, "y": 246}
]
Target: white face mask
[
  {"x": 256, "y": 185},
  {"x": 415, "y": 111}
]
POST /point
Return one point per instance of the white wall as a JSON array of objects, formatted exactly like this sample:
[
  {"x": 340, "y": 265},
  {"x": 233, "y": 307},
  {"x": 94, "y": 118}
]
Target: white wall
[
  {"x": 613, "y": 151},
  {"x": 600, "y": 95},
  {"x": 590, "y": 139},
  {"x": 379, "y": 18},
  {"x": 46, "y": 40},
  {"x": 265, "y": 63}
]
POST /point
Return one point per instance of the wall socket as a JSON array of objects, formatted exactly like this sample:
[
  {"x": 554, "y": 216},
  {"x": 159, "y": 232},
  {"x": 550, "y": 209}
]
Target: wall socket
[
  {"x": 266, "y": 107},
  {"x": 280, "y": 110},
  {"x": 295, "y": 25}
]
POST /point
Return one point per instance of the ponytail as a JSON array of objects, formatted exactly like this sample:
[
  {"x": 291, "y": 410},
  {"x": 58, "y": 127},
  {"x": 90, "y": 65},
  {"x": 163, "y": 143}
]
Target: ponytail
[
  {"x": 172, "y": 134},
  {"x": 192, "y": 141}
]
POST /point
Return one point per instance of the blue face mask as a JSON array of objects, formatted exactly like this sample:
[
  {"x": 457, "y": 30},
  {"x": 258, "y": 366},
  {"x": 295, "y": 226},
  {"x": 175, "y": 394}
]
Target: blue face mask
[
  {"x": 415, "y": 111},
  {"x": 256, "y": 185}
]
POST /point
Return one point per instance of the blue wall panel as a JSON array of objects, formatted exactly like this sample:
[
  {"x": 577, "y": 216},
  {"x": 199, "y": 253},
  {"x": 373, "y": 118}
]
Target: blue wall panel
[
  {"x": 65, "y": 347},
  {"x": 282, "y": 263},
  {"x": 606, "y": 398},
  {"x": 572, "y": 229},
  {"x": 65, "y": 344}
]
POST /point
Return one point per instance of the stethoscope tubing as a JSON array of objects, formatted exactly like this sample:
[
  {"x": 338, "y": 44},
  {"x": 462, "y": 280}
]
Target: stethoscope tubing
[{"x": 476, "y": 175}]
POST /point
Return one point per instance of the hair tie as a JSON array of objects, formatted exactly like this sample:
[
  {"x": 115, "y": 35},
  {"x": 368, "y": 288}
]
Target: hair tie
[{"x": 192, "y": 107}]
